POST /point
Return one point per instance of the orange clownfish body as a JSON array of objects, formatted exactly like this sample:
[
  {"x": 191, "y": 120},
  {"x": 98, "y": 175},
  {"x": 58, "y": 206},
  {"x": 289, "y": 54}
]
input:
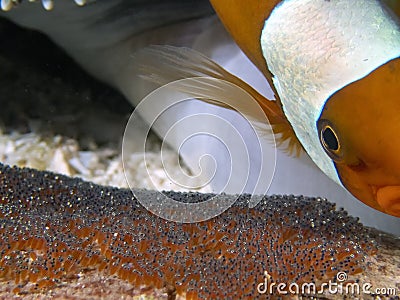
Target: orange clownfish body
[
  {"x": 335, "y": 69},
  {"x": 353, "y": 57}
]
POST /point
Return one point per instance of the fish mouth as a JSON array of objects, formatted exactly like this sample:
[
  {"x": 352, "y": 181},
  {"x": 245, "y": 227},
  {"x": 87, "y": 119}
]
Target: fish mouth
[
  {"x": 378, "y": 191},
  {"x": 388, "y": 197}
]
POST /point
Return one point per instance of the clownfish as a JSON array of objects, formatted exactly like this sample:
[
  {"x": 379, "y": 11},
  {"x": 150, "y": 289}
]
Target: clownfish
[{"x": 334, "y": 68}]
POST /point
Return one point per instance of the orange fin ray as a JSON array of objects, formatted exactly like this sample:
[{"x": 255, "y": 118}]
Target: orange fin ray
[
  {"x": 394, "y": 5},
  {"x": 213, "y": 84}
]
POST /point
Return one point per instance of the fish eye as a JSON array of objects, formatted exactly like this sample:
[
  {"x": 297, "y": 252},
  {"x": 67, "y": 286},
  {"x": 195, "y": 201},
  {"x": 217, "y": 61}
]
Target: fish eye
[{"x": 329, "y": 139}]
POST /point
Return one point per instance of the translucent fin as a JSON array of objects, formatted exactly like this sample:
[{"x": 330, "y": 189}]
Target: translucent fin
[
  {"x": 394, "y": 5},
  {"x": 164, "y": 64}
]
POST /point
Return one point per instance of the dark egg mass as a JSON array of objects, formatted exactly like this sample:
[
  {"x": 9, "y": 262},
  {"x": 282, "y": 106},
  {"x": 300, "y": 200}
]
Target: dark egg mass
[{"x": 53, "y": 227}]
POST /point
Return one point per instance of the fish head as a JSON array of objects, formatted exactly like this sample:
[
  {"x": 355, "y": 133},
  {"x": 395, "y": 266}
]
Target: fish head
[{"x": 359, "y": 129}]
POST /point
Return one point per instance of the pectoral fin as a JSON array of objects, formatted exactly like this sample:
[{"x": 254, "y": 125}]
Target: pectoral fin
[{"x": 164, "y": 64}]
